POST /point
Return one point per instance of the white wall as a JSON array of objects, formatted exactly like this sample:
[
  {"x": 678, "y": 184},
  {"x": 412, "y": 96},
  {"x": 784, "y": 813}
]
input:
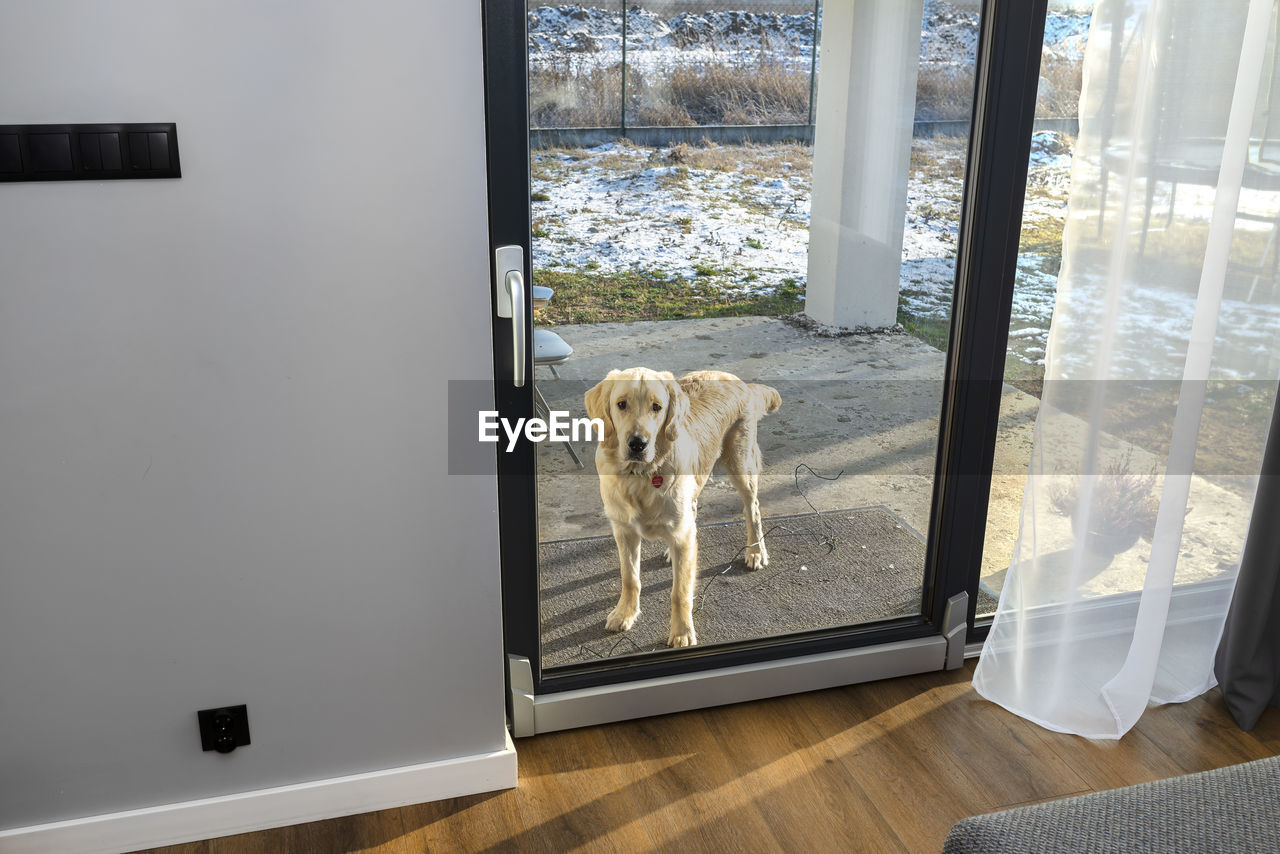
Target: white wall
[{"x": 222, "y": 455}]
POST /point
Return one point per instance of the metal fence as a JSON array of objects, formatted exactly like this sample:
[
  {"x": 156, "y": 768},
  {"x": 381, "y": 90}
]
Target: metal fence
[
  {"x": 662, "y": 72},
  {"x": 629, "y": 64}
]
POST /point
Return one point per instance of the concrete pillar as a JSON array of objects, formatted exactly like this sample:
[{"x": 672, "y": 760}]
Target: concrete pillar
[{"x": 870, "y": 52}]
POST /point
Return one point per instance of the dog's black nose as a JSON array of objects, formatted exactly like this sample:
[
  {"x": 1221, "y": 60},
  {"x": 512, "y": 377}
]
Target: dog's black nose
[{"x": 637, "y": 444}]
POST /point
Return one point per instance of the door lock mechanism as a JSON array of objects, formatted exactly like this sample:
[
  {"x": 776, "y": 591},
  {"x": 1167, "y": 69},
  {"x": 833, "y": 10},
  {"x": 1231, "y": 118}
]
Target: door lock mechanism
[{"x": 512, "y": 303}]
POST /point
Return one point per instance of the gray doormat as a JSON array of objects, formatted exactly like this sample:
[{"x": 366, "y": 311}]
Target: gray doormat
[{"x": 839, "y": 568}]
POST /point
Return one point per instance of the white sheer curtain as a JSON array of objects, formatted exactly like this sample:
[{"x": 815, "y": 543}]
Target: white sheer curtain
[{"x": 1160, "y": 369}]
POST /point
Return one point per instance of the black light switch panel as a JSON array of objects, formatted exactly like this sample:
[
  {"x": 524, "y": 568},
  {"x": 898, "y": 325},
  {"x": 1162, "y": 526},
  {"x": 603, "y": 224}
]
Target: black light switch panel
[
  {"x": 95, "y": 152},
  {"x": 10, "y": 156},
  {"x": 90, "y": 153},
  {"x": 50, "y": 152},
  {"x": 139, "y": 152},
  {"x": 109, "y": 148}
]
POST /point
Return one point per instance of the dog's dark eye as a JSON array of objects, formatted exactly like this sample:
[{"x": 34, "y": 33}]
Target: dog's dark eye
[
  {"x": 657, "y": 407},
  {"x": 622, "y": 404}
]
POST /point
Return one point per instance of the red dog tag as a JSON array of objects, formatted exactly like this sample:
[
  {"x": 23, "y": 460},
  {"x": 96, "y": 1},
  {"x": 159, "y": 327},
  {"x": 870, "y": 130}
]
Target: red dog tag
[{"x": 657, "y": 481}]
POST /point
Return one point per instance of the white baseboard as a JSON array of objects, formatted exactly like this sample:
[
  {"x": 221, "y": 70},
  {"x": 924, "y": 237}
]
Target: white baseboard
[{"x": 172, "y": 824}]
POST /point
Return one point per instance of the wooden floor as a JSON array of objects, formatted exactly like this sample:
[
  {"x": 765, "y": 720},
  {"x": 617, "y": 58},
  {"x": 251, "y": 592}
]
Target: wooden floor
[{"x": 887, "y": 766}]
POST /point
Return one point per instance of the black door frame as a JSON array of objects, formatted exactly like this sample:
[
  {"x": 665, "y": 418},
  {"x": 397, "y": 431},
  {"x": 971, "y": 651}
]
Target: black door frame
[{"x": 1008, "y": 65}]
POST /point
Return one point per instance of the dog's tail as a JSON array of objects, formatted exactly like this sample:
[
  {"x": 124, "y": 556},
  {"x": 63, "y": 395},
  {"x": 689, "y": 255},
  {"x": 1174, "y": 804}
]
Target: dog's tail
[{"x": 766, "y": 395}]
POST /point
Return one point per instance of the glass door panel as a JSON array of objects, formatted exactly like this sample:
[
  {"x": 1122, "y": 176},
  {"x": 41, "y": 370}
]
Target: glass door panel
[
  {"x": 1076, "y": 184},
  {"x": 1035, "y": 288},
  {"x": 732, "y": 186}
]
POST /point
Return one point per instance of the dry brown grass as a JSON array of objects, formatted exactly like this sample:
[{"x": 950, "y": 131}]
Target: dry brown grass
[
  {"x": 944, "y": 94},
  {"x": 939, "y": 158},
  {"x": 563, "y": 97},
  {"x": 763, "y": 92},
  {"x": 752, "y": 161},
  {"x": 766, "y": 92},
  {"x": 947, "y": 93},
  {"x": 1061, "y": 96}
]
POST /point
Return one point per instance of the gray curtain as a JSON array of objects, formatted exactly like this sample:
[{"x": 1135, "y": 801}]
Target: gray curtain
[{"x": 1248, "y": 660}]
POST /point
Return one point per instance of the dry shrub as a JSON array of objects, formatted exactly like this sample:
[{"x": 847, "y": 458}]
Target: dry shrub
[
  {"x": 651, "y": 102},
  {"x": 1060, "y": 82},
  {"x": 1124, "y": 502},
  {"x": 681, "y": 153},
  {"x": 706, "y": 155},
  {"x": 561, "y": 96},
  {"x": 791, "y": 160},
  {"x": 766, "y": 92},
  {"x": 763, "y": 92},
  {"x": 944, "y": 93}
]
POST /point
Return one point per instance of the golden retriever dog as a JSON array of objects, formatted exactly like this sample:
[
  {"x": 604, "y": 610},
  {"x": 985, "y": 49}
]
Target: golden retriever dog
[{"x": 661, "y": 438}]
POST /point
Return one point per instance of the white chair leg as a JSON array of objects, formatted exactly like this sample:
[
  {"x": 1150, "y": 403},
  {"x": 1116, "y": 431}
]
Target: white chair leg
[
  {"x": 540, "y": 407},
  {"x": 543, "y": 410}
]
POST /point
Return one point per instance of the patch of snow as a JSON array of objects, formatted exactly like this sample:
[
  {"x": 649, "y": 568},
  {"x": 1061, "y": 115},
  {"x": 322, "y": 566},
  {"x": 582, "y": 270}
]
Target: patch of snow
[
  {"x": 949, "y": 36},
  {"x": 1066, "y": 33}
]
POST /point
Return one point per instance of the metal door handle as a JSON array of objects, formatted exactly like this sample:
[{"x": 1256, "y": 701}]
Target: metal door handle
[
  {"x": 509, "y": 266},
  {"x": 515, "y": 287}
]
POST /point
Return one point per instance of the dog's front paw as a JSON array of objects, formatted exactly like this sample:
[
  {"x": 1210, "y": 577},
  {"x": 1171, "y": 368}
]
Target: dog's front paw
[
  {"x": 666, "y": 555},
  {"x": 756, "y": 557},
  {"x": 620, "y": 619},
  {"x": 681, "y": 636}
]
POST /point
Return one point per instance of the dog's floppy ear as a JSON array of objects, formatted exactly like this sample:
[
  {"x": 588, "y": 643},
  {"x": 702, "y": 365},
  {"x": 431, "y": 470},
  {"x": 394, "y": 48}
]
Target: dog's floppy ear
[
  {"x": 677, "y": 407},
  {"x": 597, "y": 402}
]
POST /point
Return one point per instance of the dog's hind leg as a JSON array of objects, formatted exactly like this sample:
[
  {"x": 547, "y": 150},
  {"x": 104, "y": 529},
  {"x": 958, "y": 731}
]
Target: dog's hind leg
[
  {"x": 684, "y": 573},
  {"x": 624, "y": 615},
  {"x": 743, "y": 462}
]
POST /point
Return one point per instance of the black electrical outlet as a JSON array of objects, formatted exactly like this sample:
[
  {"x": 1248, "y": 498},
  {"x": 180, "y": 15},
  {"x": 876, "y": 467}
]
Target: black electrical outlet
[{"x": 224, "y": 729}]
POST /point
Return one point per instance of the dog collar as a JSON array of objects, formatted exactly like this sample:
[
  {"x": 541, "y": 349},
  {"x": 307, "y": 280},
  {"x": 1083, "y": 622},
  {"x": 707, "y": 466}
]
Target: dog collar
[{"x": 655, "y": 480}]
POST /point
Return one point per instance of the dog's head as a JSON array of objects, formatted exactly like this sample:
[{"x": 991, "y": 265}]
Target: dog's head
[{"x": 642, "y": 411}]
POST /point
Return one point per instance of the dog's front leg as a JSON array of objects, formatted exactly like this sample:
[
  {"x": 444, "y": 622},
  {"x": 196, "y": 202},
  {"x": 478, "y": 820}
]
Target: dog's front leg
[
  {"x": 683, "y": 544},
  {"x": 666, "y": 551},
  {"x": 624, "y": 615}
]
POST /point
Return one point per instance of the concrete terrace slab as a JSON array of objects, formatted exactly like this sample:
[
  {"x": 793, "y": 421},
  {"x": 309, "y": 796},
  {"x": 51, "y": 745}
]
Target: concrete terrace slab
[
  {"x": 867, "y": 405},
  {"x": 828, "y": 570}
]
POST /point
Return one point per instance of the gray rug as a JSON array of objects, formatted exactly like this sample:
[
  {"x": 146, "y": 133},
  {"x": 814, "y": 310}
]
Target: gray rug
[
  {"x": 1225, "y": 811},
  {"x": 840, "y": 568}
]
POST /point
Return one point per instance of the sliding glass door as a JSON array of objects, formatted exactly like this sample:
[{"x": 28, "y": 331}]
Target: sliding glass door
[{"x": 795, "y": 218}]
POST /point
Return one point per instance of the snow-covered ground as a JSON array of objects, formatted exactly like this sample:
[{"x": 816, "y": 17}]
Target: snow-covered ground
[
  {"x": 620, "y": 207},
  {"x": 929, "y": 245},
  {"x": 587, "y": 36},
  {"x": 743, "y": 228}
]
